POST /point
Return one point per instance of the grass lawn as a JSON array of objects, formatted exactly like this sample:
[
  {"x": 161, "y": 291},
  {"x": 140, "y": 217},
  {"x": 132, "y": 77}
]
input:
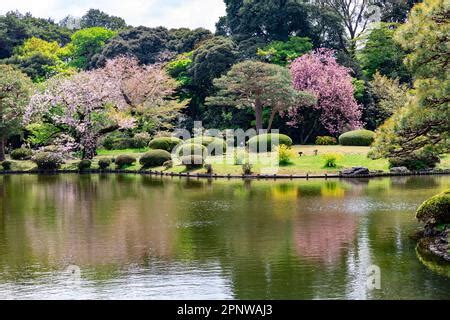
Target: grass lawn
[{"x": 307, "y": 163}]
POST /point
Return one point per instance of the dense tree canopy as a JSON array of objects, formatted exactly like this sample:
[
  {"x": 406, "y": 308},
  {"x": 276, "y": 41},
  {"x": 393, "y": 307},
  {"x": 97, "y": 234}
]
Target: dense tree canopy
[
  {"x": 15, "y": 89},
  {"x": 422, "y": 125},
  {"x": 97, "y": 18},
  {"x": 258, "y": 85}
]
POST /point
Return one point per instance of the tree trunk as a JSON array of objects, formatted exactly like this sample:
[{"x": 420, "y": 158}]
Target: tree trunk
[
  {"x": 258, "y": 114},
  {"x": 2, "y": 148},
  {"x": 272, "y": 116}
]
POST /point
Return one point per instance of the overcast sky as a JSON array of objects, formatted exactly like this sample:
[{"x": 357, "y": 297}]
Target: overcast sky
[{"x": 151, "y": 13}]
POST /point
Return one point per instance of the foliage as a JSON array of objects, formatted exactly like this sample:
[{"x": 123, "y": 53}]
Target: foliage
[
  {"x": 47, "y": 160},
  {"x": 267, "y": 142},
  {"x": 86, "y": 43},
  {"x": 192, "y": 161},
  {"x": 15, "y": 28},
  {"x": 141, "y": 140},
  {"x": 435, "y": 210},
  {"x": 382, "y": 54},
  {"x": 179, "y": 69},
  {"x": 97, "y": 18},
  {"x": 336, "y": 108},
  {"x": 6, "y": 165},
  {"x": 283, "y": 53},
  {"x": 210, "y": 60},
  {"x": 240, "y": 156},
  {"x": 155, "y": 158},
  {"x": 168, "y": 164},
  {"x": 104, "y": 163},
  {"x": 417, "y": 161},
  {"x": 389, "y": 96},
  {"x": 209, "y": 168},
  {"x": 285, "y": 155},
  {"x": 165, "y": 143},
  {"x": 422, "y": 124},
  {"x": 15, "y": 90},
  {"x": 84, "y": 165},
  {"x": 357, "y": 138},
  {"x": 21, "y": 154},
  {"x": 148, "y": 45},
  {"x": 326, "y": 141},
  {"x": 188, "y": 149},
  {"x": 247, "y": 169},
  {"x": 215, "y": 146},
  {"x": 330, "y": 159},
  {"x": 124, "y": 160},
  {"x": 258, "y": 85},
  {"x": 93, "y": 103},
  {"x": 185, "y": 40}
]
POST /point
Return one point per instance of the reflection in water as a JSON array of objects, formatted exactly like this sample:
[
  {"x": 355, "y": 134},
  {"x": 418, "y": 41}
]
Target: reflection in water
[{"x": 152, "y": 237}]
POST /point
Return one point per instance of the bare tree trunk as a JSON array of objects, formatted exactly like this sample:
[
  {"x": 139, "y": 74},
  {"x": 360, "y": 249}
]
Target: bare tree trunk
[
  {"x": 258, "y": 114},
  {"x": 2, "y": 147},
  {"x": 272, "y": 116}
]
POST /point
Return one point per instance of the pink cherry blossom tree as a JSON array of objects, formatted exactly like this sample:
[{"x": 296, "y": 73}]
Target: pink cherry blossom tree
[
  {"x": 93, "y": 103},
  {"x": 336, "y": 109}
]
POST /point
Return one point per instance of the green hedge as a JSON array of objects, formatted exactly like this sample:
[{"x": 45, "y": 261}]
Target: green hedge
[
  {"x": 6, "y": 165},
  {"x": 269, "y": 138},
  {"x": 165, "y": 143},
  {"x": 435, "y": 210},
  {"x": 215, "y": 146},
  {"x": 326, "y": 141},
  {"x": 189, "y": 149},
  {"x": 21, "y": 154},
  {"x": 193, "y": 161},
  {"x": 357, "y": 138},
  {"x": 155, "y": 158},
  {"x": 84, "y": 165},
  {"x": 104, "y": 163},
  {"x": 124, "y": 161},
  {"x": 47, "y": 160}
]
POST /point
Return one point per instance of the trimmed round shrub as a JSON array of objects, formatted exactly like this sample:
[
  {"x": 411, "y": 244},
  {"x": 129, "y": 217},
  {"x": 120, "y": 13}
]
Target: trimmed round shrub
[
  {"x": 435, "y": 210},
  {"x": 155, "y": 158},
  {"x": 47, "y": 160},
  {"x": 192, "y": 161},
  {"x": 6, "y": 165},
  {"x": 21, "y": 154},
  {"x": 141, "y": 140},
  {"x": 268, "y": 142},
  {"x": 118, "y": 143},
  {"x": 357, "y": 138},
  {"x": 215, "y": 146},
  {"x": 104, "y": 163},
  {"x": 189, "y": 149},
  {"x": 165, "y": 143},
  {"x": 326, "y": 141},
  {"x": 84, "y": 164},
  {"x": 124, "y": 161},
  {"x": 416, "y": 161}
]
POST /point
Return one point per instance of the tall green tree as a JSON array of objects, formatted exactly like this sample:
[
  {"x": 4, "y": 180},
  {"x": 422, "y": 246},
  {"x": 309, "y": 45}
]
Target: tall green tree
[
  {"x": 86, "y": 43},
  {"x": 283, "y": 53},
  {"x": 97, "y": 18},
  {"x": 259, "y": 85},
  {"x": 15, "y": 90},
  {"x": 422, "y": 127},
  {"x": 383, "y": 54}
]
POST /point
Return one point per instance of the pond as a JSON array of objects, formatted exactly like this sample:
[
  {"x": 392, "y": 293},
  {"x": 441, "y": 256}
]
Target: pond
[{"x": 143, "y": 237}]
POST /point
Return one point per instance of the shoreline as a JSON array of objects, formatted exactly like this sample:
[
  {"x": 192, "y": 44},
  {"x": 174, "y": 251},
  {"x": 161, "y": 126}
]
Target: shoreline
[{"x": 224, "y": 176}]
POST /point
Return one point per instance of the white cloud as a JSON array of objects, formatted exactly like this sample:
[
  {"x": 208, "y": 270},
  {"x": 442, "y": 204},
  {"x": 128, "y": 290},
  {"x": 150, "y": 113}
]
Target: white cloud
[{"x": 151, "y": 13}]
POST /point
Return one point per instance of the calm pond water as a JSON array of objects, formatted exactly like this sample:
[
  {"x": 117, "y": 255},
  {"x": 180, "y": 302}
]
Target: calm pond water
[{"x": 141, "y": 237}]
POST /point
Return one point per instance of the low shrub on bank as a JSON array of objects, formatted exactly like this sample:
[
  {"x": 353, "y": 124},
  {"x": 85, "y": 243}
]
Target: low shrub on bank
[
  {"x": 285, "y": 155},
  {"x": 104, "y": 163},
  {"x": 84, "y": 164},
  {"x": 6, "y": 165},
  {"x": 247, "y": 169},
  {"x": 165, "y": 143},
  {"x": 21, "y": 154},
  {"x": 240, "y": 156},
  {"x": 155, "y": 158},
  {"x": 357, "y": 138},
  {"x": 416, "y": 161},
  {"x": 435, "y": 210},
  {"x": 48, "y": 160},
  {"x": 215, "y": 145},
  {"x": 326, "y": 141},
  {"x": 190, "y": 149},
  {"x": 331, "y": 159},
  {"x": 141, "y": 140},
  {"x": 124, "y": 161},
  {"x": 192, "y": 161},
  {"x": 268, "y": 142}
]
